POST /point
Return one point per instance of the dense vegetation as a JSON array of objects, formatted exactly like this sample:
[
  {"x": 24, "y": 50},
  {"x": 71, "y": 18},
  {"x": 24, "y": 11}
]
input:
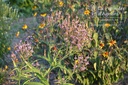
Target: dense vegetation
[{"x": 73, "y": 42}]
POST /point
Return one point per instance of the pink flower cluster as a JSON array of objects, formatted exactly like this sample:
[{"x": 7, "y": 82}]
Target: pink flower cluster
[
  {"x": 81, "y": 63},
  {"x": 24, "y": 48},
  {"x": 75, "y": 32}
]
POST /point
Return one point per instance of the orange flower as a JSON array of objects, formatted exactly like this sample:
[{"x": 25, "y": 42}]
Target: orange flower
[
  {"x": 105, "y": 54},
  {"x": 9, "y": 48},
  {"x": 41, "y": 31},
  {"x": 42, "y": 25},
  {"x": 61, "y": 4},
  {"x": 101, "y": 45},
  {"x": 112, "y": 42},
  {"x": 34, "y": 7},
  {"x": 107, "y": 25},
  {"x": 43, "y": 14},
  {"x": 24, "y": 27},
  {"x": 86, "y": 12},
  {"x": 35, "y": 14},
  {"x": 54, "y": 48},
  {"x": 36, "y": 40},
  {"x": 17, "y": 34}
]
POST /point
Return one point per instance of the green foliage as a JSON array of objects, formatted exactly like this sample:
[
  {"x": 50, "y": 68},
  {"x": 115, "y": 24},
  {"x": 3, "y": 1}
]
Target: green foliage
[
  {"x": 2, "y": 76},
  {"x": 7, "y": 15},
  {"x": 24, "y": 7}
]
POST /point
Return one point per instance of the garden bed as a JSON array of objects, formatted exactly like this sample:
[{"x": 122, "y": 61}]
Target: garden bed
[{"x": 69, "y": 43}]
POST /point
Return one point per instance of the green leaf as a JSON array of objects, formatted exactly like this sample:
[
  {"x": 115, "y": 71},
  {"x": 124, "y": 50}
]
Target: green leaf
[
  {"x": 94, "y": 65},
  {"x": 79, "y": 77},
  {"x": 121, "y": 16},
  {"x": 96, "y": 20},
  {"x": 34, "y": 83},
  {"x": 108, "y": 36},
  {"x": 95, "y": 37},
  {"x": 32, "y": 68},
  {"x": 42, "y": 79},
  {"x": 99, "y": 74},
  {"x": 92, "y": 74},
  {"x": 86, "y": 81},
  {"x": 95, "y": 54},
  {"x": 68, "y": 84}
]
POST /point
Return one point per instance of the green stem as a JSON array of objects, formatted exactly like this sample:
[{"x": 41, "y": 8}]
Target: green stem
[{"x": 19, "y": 82}]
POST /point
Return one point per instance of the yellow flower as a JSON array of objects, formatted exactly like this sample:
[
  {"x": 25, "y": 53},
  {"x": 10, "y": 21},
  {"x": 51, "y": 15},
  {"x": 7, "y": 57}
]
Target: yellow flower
[
  {"x": 42, "y": 25},
  {"x": 101, "y": 45},
  {"x": 112, "y": 42},
  {"x": 24, "y": 27},
  {"x": 9, "y": 48},
  {"x": 6, "y": 67},
  {"x": 76, "y": 62},
  {"x": 105, "y": 54},
  {"x": 17, "y": 34},
  {"x": 43, "y": 14},
  {"x": 61, "y": 4},
  {"x": 86, "y": 12},
  {"x": 107, "y": 25},
  {"x": 35, "y": 14},
  {"x": 72, "y": 7},
  {"x": 34, "y": 7}
]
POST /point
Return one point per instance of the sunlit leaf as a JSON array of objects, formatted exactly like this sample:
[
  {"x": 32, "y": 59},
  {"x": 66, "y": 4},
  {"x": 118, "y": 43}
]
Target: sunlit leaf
[
  {"x": 95, "y": 37},
  {"x": 95, "y": 66}
]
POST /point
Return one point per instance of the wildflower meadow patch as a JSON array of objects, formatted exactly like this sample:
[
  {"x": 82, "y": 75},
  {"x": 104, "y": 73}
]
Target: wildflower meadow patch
[{"x": 69, "y": 43}]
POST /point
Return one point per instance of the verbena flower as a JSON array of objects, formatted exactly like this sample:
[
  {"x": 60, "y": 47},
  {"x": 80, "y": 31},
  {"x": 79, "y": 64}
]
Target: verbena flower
[
  {"x": 24, "y": 48},
  {"x": 86, "y": 12},
  {"x": 112, "y": 42},
  {"x": 75, "y": 32},
  {"x": 24, "y": 27},
  {"x": 81, "y": 63},
  {"x": 14, "y": 58},
  {"x": 54, "y": 18}
]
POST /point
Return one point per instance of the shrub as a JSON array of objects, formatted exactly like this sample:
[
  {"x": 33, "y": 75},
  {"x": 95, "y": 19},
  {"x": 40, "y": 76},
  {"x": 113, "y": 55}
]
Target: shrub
[{"x": 7, "y": 15}]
